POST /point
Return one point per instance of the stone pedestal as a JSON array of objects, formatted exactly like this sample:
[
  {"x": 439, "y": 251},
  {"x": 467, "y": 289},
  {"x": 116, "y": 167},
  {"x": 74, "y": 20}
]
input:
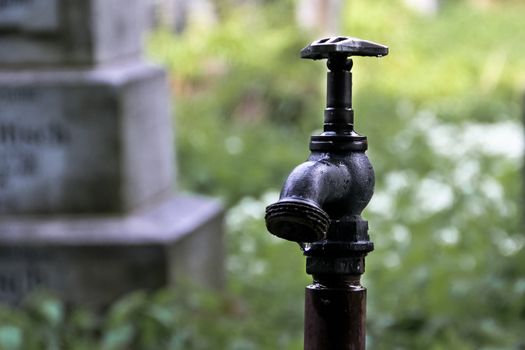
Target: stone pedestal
[
  {"x": 76, "y": 141},
  {"x": 87, "y": 207},
  {"x": 93, "y": 260}
]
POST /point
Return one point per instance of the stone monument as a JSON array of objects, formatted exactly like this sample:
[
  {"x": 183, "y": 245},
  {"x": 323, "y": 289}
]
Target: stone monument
[{"x": 87, "y": 207}]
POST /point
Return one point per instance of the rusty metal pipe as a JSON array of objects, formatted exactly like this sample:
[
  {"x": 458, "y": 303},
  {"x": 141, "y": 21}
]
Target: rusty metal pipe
[{"x": 335, "y": 315}]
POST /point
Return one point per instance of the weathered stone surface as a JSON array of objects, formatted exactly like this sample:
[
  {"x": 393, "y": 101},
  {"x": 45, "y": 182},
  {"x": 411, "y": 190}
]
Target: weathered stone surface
[
  {"x": 92, "y": 261},
  {"x": 87, "y": 161},
  {"x": 51, "y": 32},
  {"x": 79, "y": 141},
  {"x": 29, "y": 15}
]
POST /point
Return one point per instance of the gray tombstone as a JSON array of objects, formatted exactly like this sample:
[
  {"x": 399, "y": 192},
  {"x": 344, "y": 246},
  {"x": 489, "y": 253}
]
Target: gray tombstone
[
  {"x": 93, "y": 260},
  {"x": 87, "y": 206},
  {"x": 69, "y": 31},
  {"x": 84, "y": 141}
]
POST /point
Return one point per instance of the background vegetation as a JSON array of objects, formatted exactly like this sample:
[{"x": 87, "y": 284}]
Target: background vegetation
[{"x": 442, "y": 114}]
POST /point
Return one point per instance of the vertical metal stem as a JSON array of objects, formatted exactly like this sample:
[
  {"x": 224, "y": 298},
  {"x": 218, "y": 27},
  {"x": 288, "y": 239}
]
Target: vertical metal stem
[{"x": 335, "y": 315}]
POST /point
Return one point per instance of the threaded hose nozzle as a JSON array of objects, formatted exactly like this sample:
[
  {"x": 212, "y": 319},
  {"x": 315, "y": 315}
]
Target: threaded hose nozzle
[{"x": 297, "y": 221}]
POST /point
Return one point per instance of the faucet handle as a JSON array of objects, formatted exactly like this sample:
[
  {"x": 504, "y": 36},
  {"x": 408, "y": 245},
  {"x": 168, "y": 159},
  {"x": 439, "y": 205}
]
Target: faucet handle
[{"x": 343, "y": 46}]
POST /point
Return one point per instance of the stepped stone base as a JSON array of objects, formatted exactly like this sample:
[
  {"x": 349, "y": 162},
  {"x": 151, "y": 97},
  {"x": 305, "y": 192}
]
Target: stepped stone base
[
  {"x": 92, "y": 260},
  {"x": 84, "y": 140}
]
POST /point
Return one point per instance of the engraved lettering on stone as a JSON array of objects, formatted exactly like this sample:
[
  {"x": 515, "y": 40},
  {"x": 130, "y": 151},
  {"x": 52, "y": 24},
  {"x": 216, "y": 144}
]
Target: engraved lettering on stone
[
  {"x": 47, "y": 135},
  {"x": 17, "y": 95},
  {"x": 25, "y": 161},
  {"x": 11, "y": 3},
  {"x": 20, "y": 280},
  {"x": 35, "y": 140}
]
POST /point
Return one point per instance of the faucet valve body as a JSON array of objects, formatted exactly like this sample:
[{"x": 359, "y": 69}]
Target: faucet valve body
[
  {"x": 322, "y": 199},
  {"x": 321, "y": 202}
]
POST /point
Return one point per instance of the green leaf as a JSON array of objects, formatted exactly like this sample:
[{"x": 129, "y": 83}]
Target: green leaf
[
  {"x": 10, "y": 338},
  {"x": 118, "y": 338}
]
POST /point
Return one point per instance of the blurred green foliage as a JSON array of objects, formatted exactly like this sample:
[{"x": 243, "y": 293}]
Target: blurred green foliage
[
  {"x": 240, "y": 92},
  {"x": 442, "y": 114}
]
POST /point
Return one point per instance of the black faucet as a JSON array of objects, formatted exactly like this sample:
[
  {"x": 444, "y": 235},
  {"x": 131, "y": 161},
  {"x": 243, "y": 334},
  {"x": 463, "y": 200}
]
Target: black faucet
[{"x": 321, "y": 203}]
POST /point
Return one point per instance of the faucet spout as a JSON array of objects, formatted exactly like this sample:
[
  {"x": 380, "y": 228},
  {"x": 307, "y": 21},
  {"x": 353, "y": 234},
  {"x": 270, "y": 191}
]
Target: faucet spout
[
  {"x": 323, "y": 198},
  {"x": 300, "y": 213},
  {"x": 328, "y": 186}
]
